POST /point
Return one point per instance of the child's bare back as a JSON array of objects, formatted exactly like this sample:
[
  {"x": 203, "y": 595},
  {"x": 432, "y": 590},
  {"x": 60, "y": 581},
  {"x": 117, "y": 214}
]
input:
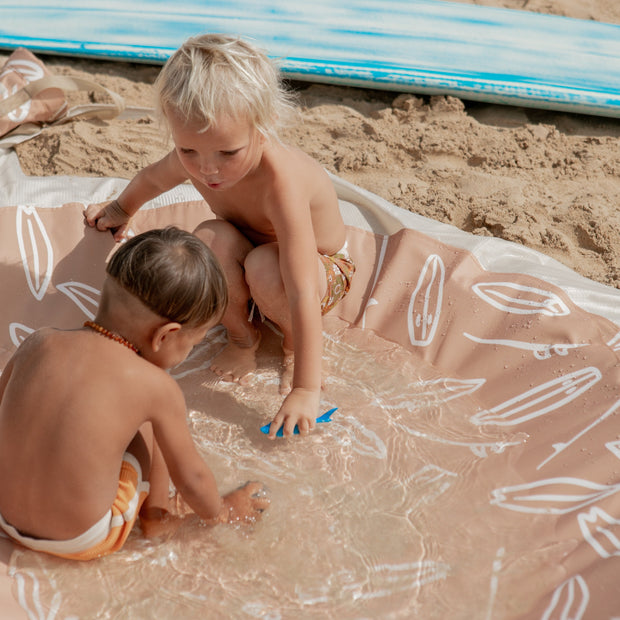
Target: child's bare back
[
  {"x": 75, "y": 400},
  {"x": 78, "y": 406}
]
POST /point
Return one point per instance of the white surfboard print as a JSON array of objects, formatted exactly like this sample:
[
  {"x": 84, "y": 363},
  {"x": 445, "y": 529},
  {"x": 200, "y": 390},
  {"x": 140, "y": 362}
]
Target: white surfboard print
[
  {"x": 361, "y": 439},
  {"x": 35, "y": 249},
  {"x": 84, "y": 296},
  {"x": 520, "y": 299},
  {"x": 569, "y": 601},
  {"x": 560, "y": 446},
  {"x": 36, "y": 590},
  {"x": 381, "y": 581},
  {"x": 19, "y": 332},
  {"x": 614, "y": 448},
  {"x": 541, "y": 350},
  {"x": 425, "y": 302},
  {"x": 552, "y": 496},
  {"x": 432, "y": 480},
  {"x": 540, "y": 400},
  {"x": 479, "y": 448},
  {"x": 601, "y": 531},
  {"x": 444, "y": 389},
  {"x": 449, "y": 388},
  {"x": 387, "y": 579},
  {"x": 614, "y": 343}
]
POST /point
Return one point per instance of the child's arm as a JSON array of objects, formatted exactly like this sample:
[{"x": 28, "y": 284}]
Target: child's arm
[
  {"x": 149, "y": 183},
  {"x": 298, "y": 265},
  {"x": 191, "y": 475}
]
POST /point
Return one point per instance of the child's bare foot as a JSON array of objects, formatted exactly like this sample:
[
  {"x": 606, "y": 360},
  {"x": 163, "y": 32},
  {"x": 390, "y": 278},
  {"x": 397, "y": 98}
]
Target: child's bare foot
[
  {"x": 288, "y": 367},
  {"x": 245, "y": 504},
  {"x": 236, "y": 362}
]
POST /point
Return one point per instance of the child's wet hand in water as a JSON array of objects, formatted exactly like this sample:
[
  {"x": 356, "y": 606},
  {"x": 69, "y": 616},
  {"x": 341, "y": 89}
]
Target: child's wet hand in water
[
  {"x": 298, "y": 409},
  {"x": 108, "y": 216},
  {"x": 245, "y": 504}
]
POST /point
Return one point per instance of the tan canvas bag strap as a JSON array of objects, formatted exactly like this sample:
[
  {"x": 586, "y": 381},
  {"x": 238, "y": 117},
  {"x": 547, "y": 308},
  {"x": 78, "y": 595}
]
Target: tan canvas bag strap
[
  {"x": 64, "y": 82},
  {"x": 19, "y": 134},
  {"x": 25, "y": 131}
]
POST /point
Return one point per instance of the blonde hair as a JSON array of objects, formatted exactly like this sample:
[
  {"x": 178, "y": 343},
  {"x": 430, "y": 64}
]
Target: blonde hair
[
  {"x": 174, "y": 274},
  {"x": 215, "y": 74}
]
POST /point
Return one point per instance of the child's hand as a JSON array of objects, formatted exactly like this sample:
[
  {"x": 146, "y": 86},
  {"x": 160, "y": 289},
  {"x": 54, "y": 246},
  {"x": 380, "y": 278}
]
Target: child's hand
[
  {"x": 299, "y": 408},
  {"x": 245, "y": 504},
  {"x": 108, "y": 216}
]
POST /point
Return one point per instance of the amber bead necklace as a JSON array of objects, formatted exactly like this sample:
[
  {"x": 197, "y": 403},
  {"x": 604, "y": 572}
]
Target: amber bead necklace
[{"x": 112, "y": 336}]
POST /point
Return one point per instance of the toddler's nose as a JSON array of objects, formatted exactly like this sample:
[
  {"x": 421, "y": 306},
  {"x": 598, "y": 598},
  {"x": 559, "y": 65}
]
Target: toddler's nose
[{"x": 208, "y": 167}]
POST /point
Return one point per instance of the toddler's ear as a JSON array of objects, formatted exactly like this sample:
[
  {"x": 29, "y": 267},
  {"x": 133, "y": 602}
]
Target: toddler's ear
[{"x": 162, "y": 332}]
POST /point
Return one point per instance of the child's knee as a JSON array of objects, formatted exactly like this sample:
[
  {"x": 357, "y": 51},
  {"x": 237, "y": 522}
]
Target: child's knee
[
  {"x": 212, "y": 230},
  {"x": 224, "y": 239},
  {"x": 262, "y": 267}
]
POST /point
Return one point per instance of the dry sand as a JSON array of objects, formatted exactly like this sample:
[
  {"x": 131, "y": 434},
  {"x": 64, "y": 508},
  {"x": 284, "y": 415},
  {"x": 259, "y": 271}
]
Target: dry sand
[{"x": 550, "y": 181}]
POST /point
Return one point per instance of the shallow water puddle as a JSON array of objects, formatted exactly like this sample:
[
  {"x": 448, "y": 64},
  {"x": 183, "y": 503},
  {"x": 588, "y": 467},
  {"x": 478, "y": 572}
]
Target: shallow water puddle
[{"x": 372, "y": 515}]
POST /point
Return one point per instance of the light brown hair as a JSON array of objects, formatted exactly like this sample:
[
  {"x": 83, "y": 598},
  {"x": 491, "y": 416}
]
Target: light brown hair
[{"x": 174, "y": 274}]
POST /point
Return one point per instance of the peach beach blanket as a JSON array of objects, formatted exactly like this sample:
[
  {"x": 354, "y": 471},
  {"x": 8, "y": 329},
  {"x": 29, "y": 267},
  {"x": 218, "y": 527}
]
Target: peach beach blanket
[{"x": 529, "y": 348}]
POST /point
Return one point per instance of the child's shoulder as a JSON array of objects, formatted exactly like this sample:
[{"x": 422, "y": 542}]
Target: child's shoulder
[
  {"x": 44, "y": 346},
  {"x": 50, "y": 338},
  {"x": 282, "y": 150},
  {"x": 290, "y": 162},
  {"x": 41, "y": 337}
]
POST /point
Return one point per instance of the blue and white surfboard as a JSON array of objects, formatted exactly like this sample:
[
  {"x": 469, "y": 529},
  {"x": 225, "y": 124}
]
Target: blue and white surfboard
[{"x": 420, "y": 46}]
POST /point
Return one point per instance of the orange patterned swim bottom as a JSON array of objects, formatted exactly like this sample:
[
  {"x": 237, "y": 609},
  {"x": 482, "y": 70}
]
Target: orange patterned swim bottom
[{"x": 339, "y": 269}]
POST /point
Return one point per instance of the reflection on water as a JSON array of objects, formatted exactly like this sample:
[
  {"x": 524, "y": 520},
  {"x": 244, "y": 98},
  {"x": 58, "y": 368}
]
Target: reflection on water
[{"x": 370, "y": 515}]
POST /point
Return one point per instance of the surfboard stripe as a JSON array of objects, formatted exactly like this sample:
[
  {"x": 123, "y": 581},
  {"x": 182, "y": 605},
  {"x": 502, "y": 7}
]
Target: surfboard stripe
[{"x": 422, "y": 46}]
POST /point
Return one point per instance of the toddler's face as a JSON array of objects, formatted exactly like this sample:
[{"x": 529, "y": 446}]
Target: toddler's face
[{"x": 222, "y": 155}]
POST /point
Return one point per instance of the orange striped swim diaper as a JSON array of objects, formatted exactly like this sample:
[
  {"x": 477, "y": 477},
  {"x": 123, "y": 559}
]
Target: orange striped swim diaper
[{"x": 110, "y": 532}]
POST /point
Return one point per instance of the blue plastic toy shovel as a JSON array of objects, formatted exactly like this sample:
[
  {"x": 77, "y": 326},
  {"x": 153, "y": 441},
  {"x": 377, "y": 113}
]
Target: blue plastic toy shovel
[{"x": 326, "y": 417}]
